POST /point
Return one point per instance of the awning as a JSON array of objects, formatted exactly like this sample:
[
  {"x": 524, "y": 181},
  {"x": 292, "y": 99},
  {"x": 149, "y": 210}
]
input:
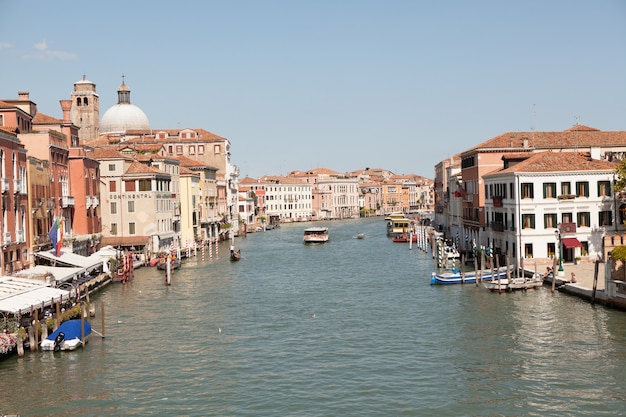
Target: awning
[
  {"x": 71, "y": 259},
  {"x": 571, "y": 242},
  {"x": 61, "y": 274},
  {"x": 20, "y": 295}
]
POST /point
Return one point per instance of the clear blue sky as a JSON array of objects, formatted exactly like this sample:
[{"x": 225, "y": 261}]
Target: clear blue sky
[{"x": 339, "y": 84}]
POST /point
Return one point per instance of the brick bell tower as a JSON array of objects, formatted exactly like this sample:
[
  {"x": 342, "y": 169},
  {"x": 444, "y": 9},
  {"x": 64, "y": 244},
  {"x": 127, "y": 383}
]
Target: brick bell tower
[{"x": 86, "y": 110}]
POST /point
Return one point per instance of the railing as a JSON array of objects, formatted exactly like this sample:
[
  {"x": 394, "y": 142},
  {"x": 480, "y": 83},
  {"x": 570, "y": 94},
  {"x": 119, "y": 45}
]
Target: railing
[
  {"x": 497, "y": 226},
  {"x": 7, "y": 238},
  {"x": 19, "y": 236},
  {"x": 17, "y": 185},
  {"x": 67, "y": 201},
  {"x": 88, "y": 201},
  {"x": 95, "y": 201},
  {"x": 5, "y": 185}
]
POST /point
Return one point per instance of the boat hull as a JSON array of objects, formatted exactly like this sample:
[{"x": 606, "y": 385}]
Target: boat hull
[
  {"x": 67, "y": 336},
  {"x": 455, "y": 277},
  {"x": 504, "y": 285}
]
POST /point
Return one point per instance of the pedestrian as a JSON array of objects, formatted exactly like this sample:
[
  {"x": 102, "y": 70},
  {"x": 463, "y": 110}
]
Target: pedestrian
[{"x": 573, "y": 279}]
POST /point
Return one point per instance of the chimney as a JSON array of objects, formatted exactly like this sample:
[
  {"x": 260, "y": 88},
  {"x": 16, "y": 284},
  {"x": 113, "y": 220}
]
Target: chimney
[
  {"x": 23, "y": 96},
  {"x": 66, "y": 105}
]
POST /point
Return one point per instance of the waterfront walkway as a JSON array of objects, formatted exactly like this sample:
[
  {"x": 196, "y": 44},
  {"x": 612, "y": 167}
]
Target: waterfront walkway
[{"x": 584, "y": 272}]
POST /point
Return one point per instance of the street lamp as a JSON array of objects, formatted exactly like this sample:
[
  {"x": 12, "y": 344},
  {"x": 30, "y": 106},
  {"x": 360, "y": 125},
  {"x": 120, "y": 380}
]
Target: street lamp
[{"x": 559, "y": 237}]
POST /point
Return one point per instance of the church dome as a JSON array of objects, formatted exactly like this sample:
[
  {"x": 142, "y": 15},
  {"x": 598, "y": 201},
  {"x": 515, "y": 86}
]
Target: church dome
[{"x": 123, "y": 116}]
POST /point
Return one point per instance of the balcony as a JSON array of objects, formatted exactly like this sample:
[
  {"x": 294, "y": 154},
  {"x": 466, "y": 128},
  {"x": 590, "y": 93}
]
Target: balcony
[
  {"x": 67, "y": 201},
  {"x": 19, "y": 236},
  {"x": 17, "y": 186},
  {"x": 566, "y": 197},
  {"x": 88, "y": 202},
  {"x": 497, "y": 226},
  {"x": 5, "y": 185},
  {"x": 7, "y": 238},
  {"x": 95, "y": 201}
]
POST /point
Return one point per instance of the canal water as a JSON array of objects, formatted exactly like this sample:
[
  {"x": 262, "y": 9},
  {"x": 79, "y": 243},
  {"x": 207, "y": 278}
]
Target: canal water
[{"x": 348, "y": 328}]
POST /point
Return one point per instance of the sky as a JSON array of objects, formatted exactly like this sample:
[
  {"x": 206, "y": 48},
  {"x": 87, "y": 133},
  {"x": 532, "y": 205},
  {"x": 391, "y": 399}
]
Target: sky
[{"x": 338, "y": 84}]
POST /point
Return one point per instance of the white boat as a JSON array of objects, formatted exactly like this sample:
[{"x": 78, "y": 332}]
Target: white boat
[
  {"x": 67, "y": 336},
  {"x": 455, "y": 277},
  {"x": 316, "y": 235},
  {"x": 511, "y": 284},
  {"x": 450, "y": 252}
]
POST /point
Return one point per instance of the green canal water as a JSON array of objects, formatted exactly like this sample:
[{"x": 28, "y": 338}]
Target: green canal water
[{"x": 348, "y": 328}]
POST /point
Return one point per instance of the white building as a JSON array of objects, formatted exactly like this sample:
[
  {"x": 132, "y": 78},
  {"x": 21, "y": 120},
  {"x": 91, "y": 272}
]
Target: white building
[
  {"x": 539, "y": 203},
  {"x": 287, "y": 199}
]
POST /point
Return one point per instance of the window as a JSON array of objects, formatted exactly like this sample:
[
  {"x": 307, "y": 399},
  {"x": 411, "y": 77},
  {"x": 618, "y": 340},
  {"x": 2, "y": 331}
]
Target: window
[
  {"x": 145, "y": 185},
  {"x": 1, "y": 119},
  {"x": 131, "y": 228},
  {"x": 604, "y": 188},
  {"x": 566, "y": 188},
  {"x": 113, "y": 229},
  {"x": 551, "y": 247},
  {"x": 566, "y": 218},
  {"x": 111, "y": 167},
  {"x": 512, "y": 186},
  {"x": 113, "y": 207},
  {"x": 112, "y": 186},
  {"x": 179, "y": 149},
  {"x": 200, "y": 149},
  {"x": 527, "y": 190},
  {"x": 583, "y": 219},
  {"x": 217, "y": 149},
  {"x": 192, "y": 149},
  {"x": 78, "y": 102},
  {"x": 86, "y": 101},
  {"x": 605, "y": 218},
  {"x": 582, "y": 189},
  {"x": 129, "y": 185},
  {"x": 528, "y": 221},
  {"x": 170, "y": 149},
  {"x": 131, "y": 206},
  {"x": 528, "y": 250},
  {"x": 549, "y": 190},
  {"x": 549, "y": 220}
]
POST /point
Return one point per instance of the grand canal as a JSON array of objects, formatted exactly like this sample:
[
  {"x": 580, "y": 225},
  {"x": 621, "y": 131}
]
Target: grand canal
[{"x": 349, "y": 328}]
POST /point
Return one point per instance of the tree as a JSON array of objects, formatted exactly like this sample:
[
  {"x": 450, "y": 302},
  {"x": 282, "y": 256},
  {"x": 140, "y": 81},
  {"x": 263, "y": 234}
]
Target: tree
[{"x": 620, "y": 172}]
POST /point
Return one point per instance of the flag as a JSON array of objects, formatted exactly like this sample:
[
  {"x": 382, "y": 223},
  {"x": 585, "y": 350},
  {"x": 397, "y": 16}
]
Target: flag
[{"x": 56, "y": 235}]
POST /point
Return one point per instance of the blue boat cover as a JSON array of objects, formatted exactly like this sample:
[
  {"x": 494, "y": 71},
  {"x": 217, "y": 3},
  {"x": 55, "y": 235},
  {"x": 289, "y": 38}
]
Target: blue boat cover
[{"x": 71, "y": 329}]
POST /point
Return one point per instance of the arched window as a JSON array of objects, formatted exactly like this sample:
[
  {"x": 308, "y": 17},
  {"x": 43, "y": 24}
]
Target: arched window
[
  {"x": 86, "y": 101},
  {"x": 78, "y": 102}
]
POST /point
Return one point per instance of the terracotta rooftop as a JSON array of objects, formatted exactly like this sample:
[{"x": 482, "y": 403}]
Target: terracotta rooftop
[
  {"x": 139, "y": 168},
  {"x": 44, "y": 119},
  {"x": 558, "y": 162},
  {"x": 577, "y": 136},
  {"x": 108, "y": 153}
]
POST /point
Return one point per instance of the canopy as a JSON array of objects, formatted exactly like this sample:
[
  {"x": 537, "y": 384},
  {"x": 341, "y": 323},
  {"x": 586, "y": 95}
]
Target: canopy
[
  {"x": 61, "y": 274},
  {"x": 72, "y": 259},
  {"x": 571, "y": 242},
  {"x": 20, "y": 294}
]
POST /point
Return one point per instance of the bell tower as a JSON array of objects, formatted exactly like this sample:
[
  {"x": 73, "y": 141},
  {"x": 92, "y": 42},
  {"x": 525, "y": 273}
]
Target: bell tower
[{"x": 86, "y": 110}]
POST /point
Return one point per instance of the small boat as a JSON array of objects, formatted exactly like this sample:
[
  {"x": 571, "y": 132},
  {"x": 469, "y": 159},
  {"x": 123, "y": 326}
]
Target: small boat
[
  {"x": 235, "y": 256},
  {"x": 316, "y": 235},
  {"x": 403, "y": 238},
  {"x": 163, "y": 263},
  {"x": 67, "y": 336},
  {"x": 360, "y": 236},
  {"x": 511, "y": 284},
  {"x": 454, "y": 276},
  {"x": 450, "y": 252}
]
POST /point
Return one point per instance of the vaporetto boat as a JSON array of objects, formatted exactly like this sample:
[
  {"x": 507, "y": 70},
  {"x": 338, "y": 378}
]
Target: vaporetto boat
[{"x": 456, "y": 276}]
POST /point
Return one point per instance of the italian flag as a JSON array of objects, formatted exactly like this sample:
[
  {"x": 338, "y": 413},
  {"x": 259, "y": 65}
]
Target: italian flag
[{"x": 56, "y": 234}]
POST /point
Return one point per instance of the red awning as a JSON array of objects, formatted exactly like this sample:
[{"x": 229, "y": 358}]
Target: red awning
[{"x": 571, "y": 242}]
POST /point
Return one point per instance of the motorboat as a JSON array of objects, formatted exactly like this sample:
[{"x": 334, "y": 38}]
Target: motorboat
[
  {"x": 68, "y": 336},
  {"x": 316, "y": 235},
  {"x": 456, "y": 276}
]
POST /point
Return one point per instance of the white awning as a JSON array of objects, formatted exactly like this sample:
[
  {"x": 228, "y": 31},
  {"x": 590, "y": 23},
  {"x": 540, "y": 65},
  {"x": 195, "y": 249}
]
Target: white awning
[
  {"x": 21, "y": 295},
  {"x": 71, "y": 259},
  {"x": 60, "y": 274}
]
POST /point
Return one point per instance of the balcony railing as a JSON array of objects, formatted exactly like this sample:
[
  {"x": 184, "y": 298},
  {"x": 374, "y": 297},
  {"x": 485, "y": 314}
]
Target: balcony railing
[
  {"x": 19, "y": 236},
  {"x": 88, "y": 202},
  {"x": 17, "y": 186},
  {"x": 67, "y": 201},
  {"x": 7, "y": 238},
  {"x": 5, "y": 185},
  {"x": 95, "y": 201},
  {"x": 497, "y": 226}
]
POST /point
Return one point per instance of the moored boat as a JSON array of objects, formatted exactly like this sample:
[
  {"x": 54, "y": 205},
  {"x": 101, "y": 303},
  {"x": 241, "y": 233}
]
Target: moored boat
[
  {"x": 511, "y": 284},
  {"x": 68, "y": 336},
  {"x": 455, "y": 276},
  {"x": 404, "y": 237},
  {"x": 162, "y": 264},
  {"x": 235, "y": 256},
  {"x": 316, "y": 235},
  {"x": 397, "y": 224}
]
